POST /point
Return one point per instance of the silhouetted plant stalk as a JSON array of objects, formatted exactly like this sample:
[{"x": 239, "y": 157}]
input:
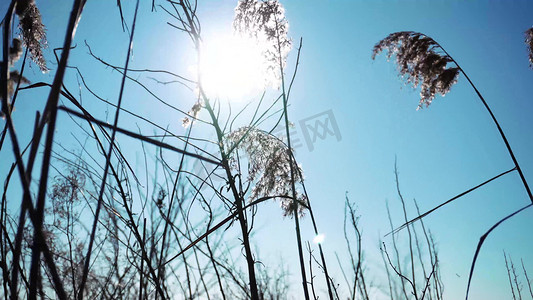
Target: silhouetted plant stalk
[
  {"x": 142, "y": 263},
  {"x": 292, "y": 171},
  {"x": 106, "y": 166},
  {"x": 265, "y": 22},
  {"x": 329, "y": 280},
  {"x": 358, "y": 283},
  {"x": 422, "y": 215},
  {"x": 86, "y": 116},
  {"x": 511, "y": 269},
  {"x": 191, "y": 26},
  {"x": 515, "y": 282},
  {"x": 31, "y": 25},
  {"x": 170, "y": 205},
  {"x": 430, "y": 285},
  {"x": 238, "y": 201},
  {"x": 267, "y": 18},
  {"x": 51, "y": 116},
  {"x": 482, "y": 240}
]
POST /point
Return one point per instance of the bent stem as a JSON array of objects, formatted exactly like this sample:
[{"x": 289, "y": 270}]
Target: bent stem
[
  {"x": 511, "y": 153},
  {"x": 495, "y": 121},
  {"x": 482, "y": 240}
]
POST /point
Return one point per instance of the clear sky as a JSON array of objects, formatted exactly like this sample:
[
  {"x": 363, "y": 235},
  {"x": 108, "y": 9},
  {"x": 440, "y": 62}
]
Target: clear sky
[{"x": 441, "y": 151}]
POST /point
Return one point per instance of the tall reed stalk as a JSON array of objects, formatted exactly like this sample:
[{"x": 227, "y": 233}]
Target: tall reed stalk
[{"x": 192, "y": 24}]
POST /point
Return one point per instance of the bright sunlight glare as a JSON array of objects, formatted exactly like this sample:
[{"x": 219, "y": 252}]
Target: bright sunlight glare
[{"x": 232, "y": 67}]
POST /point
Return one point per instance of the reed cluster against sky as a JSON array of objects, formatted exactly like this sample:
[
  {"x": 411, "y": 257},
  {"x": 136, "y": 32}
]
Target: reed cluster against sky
[{"x": 173, "y": 200}]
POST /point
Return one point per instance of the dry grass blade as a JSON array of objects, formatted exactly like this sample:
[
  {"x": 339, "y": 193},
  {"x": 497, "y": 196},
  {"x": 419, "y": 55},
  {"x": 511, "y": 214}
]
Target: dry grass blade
[
  {"x": 138, "y": 136},
  {"x": 122, "y": 21},
  {"x": 482, "y": 240},
  {"x": 447, "y": 202}
]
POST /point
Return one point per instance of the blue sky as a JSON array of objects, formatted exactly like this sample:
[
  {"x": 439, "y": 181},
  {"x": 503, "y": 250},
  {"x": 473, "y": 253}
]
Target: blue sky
[{"x": 441, "y": 151}]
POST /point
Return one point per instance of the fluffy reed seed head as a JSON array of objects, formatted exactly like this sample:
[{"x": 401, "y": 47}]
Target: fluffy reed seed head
[
  {"x": 33, "y": 31},
  {"x": 265, "y": 22},
  {"x": 268, "y": 165},
  {"x": 421, "y": 62}
]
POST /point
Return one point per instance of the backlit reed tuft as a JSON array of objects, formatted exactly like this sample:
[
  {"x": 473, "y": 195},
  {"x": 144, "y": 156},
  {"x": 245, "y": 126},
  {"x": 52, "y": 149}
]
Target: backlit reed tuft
[
  {"x": 268, "y": 163},
  {"x": 265, "y": 22},
  {"x": 529, "y": 43},
  {"x": 33, "y": 31},
  {"x": 420, "y": 61}
]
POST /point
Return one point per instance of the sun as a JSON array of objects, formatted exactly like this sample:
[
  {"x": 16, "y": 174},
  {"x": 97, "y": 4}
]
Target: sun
[{"x": 232, "y": 67}]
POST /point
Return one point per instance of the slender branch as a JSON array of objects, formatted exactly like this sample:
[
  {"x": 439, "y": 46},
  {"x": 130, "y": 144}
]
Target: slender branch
[
  {"x": 528, "y": 282},
  {"x": 137, "y": 136},
  {"x": 292, "y": 171},
  {"x": 394, "y": 268}
]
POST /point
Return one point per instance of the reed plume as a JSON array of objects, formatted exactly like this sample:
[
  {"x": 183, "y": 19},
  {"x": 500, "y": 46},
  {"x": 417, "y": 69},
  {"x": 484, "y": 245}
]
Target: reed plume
[{"x": 421, "y": 62}]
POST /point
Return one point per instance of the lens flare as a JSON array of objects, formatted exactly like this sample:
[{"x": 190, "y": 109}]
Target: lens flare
[{"x": 319, "y": 238}]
